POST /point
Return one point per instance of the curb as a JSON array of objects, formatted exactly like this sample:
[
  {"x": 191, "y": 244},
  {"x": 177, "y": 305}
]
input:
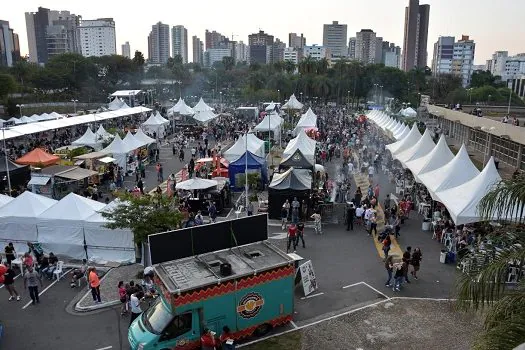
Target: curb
[{"x": 96, "y": 306}]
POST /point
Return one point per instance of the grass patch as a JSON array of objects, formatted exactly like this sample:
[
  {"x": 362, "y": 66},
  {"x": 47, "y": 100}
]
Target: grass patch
[{"x": 288, "y": 341}]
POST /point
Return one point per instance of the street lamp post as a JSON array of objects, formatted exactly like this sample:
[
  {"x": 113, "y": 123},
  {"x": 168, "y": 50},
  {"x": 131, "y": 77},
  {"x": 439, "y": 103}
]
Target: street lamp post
[
  {"x": 486, "y": 150},
  {"x": 6, "y": 161},
  {"x": 347, "y": 97},
  {"x": 74, "y": 105},
  {"x": 220, "y": 100},
  {"x": 510, "y": 99},
  {"x": 278, "y": 95},
  {"x": 375, "y": 92},
  {"x": 20, "y": 109},
  {"x": 302, "y": 98}
]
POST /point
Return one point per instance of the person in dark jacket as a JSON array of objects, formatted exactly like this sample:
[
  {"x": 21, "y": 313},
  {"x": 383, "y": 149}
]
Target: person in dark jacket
[
  {"x": 350, "y": 216},
  {"x": 416, "y": 261}
]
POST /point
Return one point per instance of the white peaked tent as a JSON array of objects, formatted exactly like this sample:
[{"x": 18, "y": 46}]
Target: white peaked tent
[
  {"x": 5, "y": 199},
  {"x": 293, "y": 103},
  {"x": 408, "y": 112},
  {"x": 161, "y": 118},
  {"x": 389, "y": 124},
  {"x": 132, "y": 142},
  {"x": 437, "y": 158},
  {"x": 456, "y": 172},
  {"x": 307, "y": 120},
  {"x": 14, "y": 120},
  {"x": 303, "y": 143},
  {"x": 55, "y": 115},
  {"x": 462, "y": 201},
  {"x": 255, "y": 146},
  {"x": 397, "y": 128},
  {"x": 411, "y": 139},
  {"x": 25, "y": 119},
  {"x": 119, "y": 150},
  {"x": 201, "y": 106},
  {"x": 403, "y": 133},
  {"x": 175, "y": 108},
  {"x": 186, "y": 110},
  {"x": 204, "y": 116},
  {"x": 424, "y": 146},
  {"x": 103, "y": 134},
  {"x": 154, "y": 124},
  {"x": 271, "y": 122},
  {"x": 270, "y": 107},
  {"x": 117, "y": 103},
  {"x": 19, "y": 218},
  {"x": 141, "y": 136},
  {"x": 60, "y": 228},
  {"x": 89, "y": 139},
  {"x": 196, "y": 184}
]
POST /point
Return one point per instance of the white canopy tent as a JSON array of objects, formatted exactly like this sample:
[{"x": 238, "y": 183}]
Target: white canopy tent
[
  {"x": 117, "y": 103},
  {"x": 462, "y": 201},
  {"x": 408, "y": 112},
  {"x": 154, "y": 125},
  {"x": 255, "y": 146},
  {"x": 205, "y": 116},
  {"x": 5, "y": 199},
  {"x": 456, "y": 172},
  {"x": 119, "y": 150},
  {"x": 175, "y": 108},
  {"x": 271, "y": 122},
  {"x": 292, "y": 103},
  {"x": 161, "y": 118},
  {"x": 270, "y": 107},
  {"x": 403, "y": 133},
  {"x": 303, "y": 143},
  {"x": 411, "y": 139},
  {"x": 307, "y": 120},
  {"x": 25, "y": 119},
  {"x": 437, "y": 158},
  {"x": 141, "y": 136},
  {"x": 89, "y": 139},
  {"x": 196, "y": 184},
  {"x": 397, "y": 128},
  {"x": 132, "y": 142},
  {"x": 103, "y": 134},
  {"x": 201, "y": 106},
  {"x": 424, "y": 146}
]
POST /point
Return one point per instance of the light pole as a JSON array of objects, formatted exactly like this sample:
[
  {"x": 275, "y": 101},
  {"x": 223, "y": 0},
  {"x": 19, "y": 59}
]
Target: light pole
[
  {"x": 488, "y": 102},
  {"x": 302, "y": 98},
  {"x": 381, "y": 95},
  {"x": 6, "y": 161},
  {"x": 347, "y": 98},
  {"x": 510, "y": 99},
  {"x": 74, "y": 105},
  {"x": 278, "y": 95},
  {"x": 375, "y": 92},
  {"x": 180, "y": 87},
  {"x": 20, "y": 109},
  {"x": 487, "y": 131}
]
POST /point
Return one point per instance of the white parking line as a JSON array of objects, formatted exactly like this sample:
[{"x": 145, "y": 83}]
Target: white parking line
[
  {"x": 353, "y": 285},
  {"x": 312, "y": 296},
  {"x": 106, "y": 348},
  {"x": 45, "y": 289},
  {"x": 2, "y": 286},
  {"x": 377, "y": 291}
]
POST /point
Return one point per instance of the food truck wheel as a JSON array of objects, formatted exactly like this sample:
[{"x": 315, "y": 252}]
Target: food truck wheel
[{"x": 262, "y": 329}]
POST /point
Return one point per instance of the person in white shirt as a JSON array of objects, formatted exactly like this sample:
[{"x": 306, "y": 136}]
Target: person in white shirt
[
  {"x": 134, "y": 302},
  {"x": 371, "y": 171},
  {"x": 350, "y": 168}
]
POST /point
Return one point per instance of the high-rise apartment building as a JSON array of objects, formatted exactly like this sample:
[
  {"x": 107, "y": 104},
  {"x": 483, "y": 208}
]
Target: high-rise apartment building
[
  {"x": 365, "y": 46},
  {"x": 211, "y": 56},
  {"x": 278, "y": 50},
  {"x": 52, "y": 33},
  {"x": 9, "y": 45},
  {"x": 291, "y": 54},
  {"x": 335, "y": 39},
  {"x": 505, "y": 66},
  {"x": 198, "y": 50},
  {"x": 261, "y": 47},
  {"x": 416, "y": 35},
  {"x": 159, "y": 43},
  {"x": 317, "y": 52},
  {"x": 242, "y": 52},
  {"x": 463, "y": 59},
  {"x": 179, "y": 42},
  {"x": 351, "y": 48},
  {"x": 213, "y": 39},
  {"x": 126, "y": 50},
  {"x": 391, "y": 55},
  {"x": 296, "y": 41},
  {"x": 443, "y": 55},
  {"x": 97, "y": 37},
  {"x": 496, "y": 65}
]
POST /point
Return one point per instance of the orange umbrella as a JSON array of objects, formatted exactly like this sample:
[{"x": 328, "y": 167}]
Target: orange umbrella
[{"x": 38, "y": 157}]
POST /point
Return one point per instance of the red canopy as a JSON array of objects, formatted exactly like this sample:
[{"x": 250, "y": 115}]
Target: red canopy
[{"x": 38, "y": 157}]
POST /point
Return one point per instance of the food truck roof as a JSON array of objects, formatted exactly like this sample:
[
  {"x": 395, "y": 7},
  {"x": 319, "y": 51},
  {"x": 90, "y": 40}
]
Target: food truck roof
[{"x": 201, "y": 270}]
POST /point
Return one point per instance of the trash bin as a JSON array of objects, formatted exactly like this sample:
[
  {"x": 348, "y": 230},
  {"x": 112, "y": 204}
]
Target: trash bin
[
  {"x": 443, "y": 257},
  {"x": 426, "y": 225}
]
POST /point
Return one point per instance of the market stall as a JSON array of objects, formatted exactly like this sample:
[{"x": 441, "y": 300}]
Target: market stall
[
  {"x": 37, "y": 158},
  {"x": 294, "y": 183},
  {"x": 254, "y": 164}
]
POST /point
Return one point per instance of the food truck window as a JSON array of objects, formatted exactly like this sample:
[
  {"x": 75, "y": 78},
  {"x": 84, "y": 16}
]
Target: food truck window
[
  {"x": 179, "y": 325},
  {"x": 157, "y": 317}
]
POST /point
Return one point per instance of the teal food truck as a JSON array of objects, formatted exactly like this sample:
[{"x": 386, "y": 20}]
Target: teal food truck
[{"x": 247, "y": 288}]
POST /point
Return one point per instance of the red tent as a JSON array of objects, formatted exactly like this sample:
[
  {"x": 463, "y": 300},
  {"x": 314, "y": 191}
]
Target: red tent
[{"x": 38, "y": 157}]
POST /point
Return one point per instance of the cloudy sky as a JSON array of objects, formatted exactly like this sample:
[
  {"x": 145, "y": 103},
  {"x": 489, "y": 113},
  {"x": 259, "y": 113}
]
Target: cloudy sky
[{"x": 494, "y": 25}]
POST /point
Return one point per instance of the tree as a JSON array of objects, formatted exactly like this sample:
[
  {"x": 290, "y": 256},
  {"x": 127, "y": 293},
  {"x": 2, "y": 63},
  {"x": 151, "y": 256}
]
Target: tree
[
  {"x": 483, "y": 78},
  {"x": 228, "y": 62},
  {"x": 144, "y": 215},
  {"x": 138, "y": 59},
  {"x": 7, "y": 85},
  {"x": 483, "y": 286},
  {"x": 289, "y": 67}
]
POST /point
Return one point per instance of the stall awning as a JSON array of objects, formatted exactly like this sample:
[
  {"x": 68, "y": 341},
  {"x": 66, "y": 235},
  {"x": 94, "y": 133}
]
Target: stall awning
[
  {"x": 107, "y": 160},
  {"x": 77, "y": 174},
  {"x": 39, "y": 180}
]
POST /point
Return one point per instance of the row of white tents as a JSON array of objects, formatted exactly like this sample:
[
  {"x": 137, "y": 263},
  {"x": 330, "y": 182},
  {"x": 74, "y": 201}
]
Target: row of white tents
[
  {"x": 73, "y": 227},
  {"x": 34, "y": 118},
  {"x": 200, "y": 112},
  {"x": 450, "y": 179}
]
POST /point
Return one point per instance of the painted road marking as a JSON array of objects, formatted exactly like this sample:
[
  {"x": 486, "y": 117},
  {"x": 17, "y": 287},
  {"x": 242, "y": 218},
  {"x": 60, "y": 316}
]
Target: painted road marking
[
  {"x": 45, "y": 289},
  {"x": 293, "y": 324},
  {"x": 376, "y": 290},
  {"x": 2, "y": 286},
  {"x": 105, "y": 348},
  {"x": 353, "y": 285},
  {"x": 312, "y": 296}
]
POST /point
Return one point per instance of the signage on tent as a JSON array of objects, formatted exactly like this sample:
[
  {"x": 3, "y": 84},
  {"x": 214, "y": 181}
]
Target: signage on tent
[{"x": 308, "y": 278}]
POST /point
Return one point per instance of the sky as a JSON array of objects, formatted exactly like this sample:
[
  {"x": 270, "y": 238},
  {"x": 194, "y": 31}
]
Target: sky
[{"x": 494, "y": 25}]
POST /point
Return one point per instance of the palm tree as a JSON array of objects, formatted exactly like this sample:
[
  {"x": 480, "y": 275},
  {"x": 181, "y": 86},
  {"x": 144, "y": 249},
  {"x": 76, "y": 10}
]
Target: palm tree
[{"x": 483, "y": 286}]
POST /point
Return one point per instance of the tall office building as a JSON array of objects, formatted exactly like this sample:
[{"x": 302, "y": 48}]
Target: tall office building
[
  {"x": 296, "y": 41},
  {"x": 213, "y": 39},
  {"x": 242, "y": 52},
  {"x": 391, "y": 55},
  {"x": 416, "y": 35},
  {"x": 211, "y": 56},
  {"x": 316, "y": 52},
  {"x": 365, "y": 46},
  {"x": 159, "y": 43},
  {"x": 443, "y": 55},
  {"x": 98, "y": 37},
  {"x": 463, "y": 59},
  {"x": 291, "y": 54},
  {"x": 9, "y": 45},
  {"x": 335, "y": 39},
  {"x": 351, "y": 48},
  {"x": 198, "y": 50},
  {"x": 261, "y": 47},
  {"x": 179, "y": 42},
  {"x": 126, "y": 50},
  {"x": 51, "y": 33},
  {"x": 278, "y": 50}
]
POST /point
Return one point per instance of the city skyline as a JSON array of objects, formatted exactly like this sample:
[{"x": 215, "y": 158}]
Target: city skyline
[{"x": 443, "y": 21}]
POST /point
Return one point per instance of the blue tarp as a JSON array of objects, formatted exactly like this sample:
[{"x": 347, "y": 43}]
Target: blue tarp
[{"x": 255, "y": 164}]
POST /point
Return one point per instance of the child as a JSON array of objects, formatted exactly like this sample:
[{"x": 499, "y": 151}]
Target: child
[{"x": 123, "y": 298}]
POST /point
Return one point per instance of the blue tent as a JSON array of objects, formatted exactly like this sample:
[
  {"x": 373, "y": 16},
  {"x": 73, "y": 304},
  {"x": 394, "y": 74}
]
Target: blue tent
[{"x": 255, "y": 164}]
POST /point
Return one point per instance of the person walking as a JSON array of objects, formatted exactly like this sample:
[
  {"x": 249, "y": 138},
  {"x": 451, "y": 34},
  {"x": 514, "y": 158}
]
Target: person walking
[
  {"x": 317, "y": 223},
  {"x": 398, "y": 269},
  {"x": 284, "y": 217},
  {"x": 416, "y": 261},
  {"x": 373, "y": 223},
  {"x": 249, "y": 208},
  {"x": 292, "y": 237},
  {"x": 407, "y": 257},
  {"x": 350, "y": 216},
  {"x": 9, "y": 283},
  {"x": 134, "y": 303},
  {"x": 389, "y": 266},
  {"x": 123, "y": 296},
  {"x": 31, "y": 281},
  {"x": 94, "y": 283},
  {"x": 386, "y": 245},
  {"x": 212, "y": 212}
]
